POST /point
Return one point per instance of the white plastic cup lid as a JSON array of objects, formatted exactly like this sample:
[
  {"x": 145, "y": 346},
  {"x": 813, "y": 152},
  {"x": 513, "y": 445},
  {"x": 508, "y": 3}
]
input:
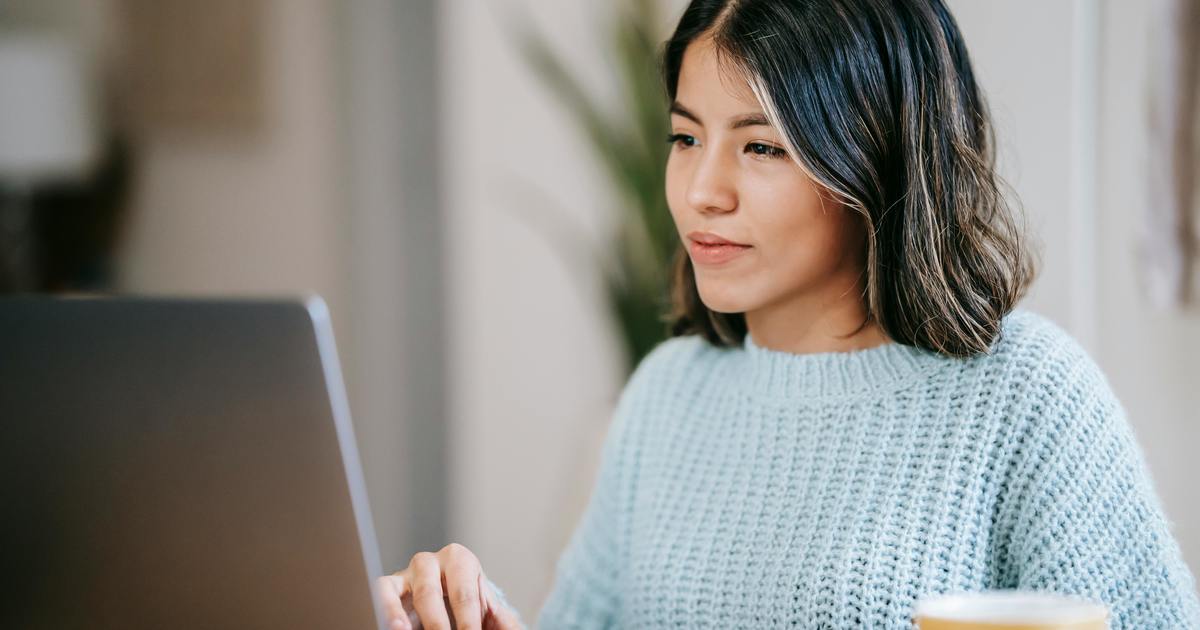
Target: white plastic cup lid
[{"x": 1010, "y": 606}]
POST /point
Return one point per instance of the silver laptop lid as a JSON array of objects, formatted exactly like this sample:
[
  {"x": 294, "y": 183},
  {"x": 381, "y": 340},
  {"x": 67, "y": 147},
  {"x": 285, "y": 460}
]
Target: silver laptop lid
[{"x": 179, "y": 464}]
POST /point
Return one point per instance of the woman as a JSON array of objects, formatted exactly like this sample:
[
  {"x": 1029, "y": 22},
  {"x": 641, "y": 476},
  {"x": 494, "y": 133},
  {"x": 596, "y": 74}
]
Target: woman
[{"x": 852, "y": 412}]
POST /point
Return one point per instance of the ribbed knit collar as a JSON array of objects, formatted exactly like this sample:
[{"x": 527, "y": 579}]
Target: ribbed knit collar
[{"x": 780, "y": 374}]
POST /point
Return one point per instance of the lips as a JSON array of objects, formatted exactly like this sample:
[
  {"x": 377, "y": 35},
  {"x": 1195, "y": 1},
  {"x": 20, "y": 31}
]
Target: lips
[
  {"x": 707, "y": 248},
  {"x": 711, "y": 238}
]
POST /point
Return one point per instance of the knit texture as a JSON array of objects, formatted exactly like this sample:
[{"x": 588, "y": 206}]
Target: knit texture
[{"x": 746, "y": 487}]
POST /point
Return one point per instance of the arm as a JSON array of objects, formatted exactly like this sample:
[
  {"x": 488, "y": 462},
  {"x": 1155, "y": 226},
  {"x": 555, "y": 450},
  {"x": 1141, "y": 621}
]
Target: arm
[{"x": 1090, "y": 522}]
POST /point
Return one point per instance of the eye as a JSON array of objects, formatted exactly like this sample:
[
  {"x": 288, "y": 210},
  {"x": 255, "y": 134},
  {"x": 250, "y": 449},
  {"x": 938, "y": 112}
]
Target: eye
[
  {"x": 765, "y": 150},
  {"x": 682, "y": 139}
]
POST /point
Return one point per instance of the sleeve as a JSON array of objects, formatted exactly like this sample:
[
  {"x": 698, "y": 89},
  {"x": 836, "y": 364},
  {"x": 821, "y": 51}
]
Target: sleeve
[
  {"x": 585, "y": 593},
  {"x": 1090, "y": 522}
]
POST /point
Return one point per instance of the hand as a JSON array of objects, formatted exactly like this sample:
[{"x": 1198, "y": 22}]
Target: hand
[{"x": 443, "y": 591}]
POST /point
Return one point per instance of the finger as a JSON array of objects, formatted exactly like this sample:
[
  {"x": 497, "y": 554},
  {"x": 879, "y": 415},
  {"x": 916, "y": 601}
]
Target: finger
[
  {"x": 391, "y": 591},
  {"x": 388, "y": 592},
  {"x": 483, "y": 600},
  {"x": 425, "y": 576},
  {"x": 502, "y": 618},
  {"x": 410, "y": 611},
  {"x": 460, "y": 571},
  {"x": 498, "y": 614}
]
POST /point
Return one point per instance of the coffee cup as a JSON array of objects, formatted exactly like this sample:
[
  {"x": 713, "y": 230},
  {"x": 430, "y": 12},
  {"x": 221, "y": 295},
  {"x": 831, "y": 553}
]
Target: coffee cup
[{"x": 1009, "y": 610}]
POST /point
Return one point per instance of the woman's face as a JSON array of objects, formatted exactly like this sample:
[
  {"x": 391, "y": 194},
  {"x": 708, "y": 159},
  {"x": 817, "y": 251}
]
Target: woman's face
[{"x": 728, "y": 174}]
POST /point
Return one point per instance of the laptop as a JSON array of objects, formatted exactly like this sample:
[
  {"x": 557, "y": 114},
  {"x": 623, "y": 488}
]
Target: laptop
[{"x": 185, "y": 464}]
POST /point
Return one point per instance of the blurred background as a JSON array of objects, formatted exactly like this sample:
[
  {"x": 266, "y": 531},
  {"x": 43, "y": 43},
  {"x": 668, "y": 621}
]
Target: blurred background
[{"x": 473, "y": 186}]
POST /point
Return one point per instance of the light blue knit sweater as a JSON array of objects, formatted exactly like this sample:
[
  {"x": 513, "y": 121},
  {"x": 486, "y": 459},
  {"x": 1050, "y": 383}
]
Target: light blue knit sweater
[{"x": 751, "y": 488}]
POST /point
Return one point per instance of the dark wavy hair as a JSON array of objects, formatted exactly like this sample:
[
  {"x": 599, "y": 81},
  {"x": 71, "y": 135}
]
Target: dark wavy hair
[{"x": 877, "y": 102}]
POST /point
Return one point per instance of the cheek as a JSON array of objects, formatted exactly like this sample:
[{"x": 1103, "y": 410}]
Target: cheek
[
  {"x": 676, "y": 190},
  {"x": 799, "y": 239},
  {"x": 802, "y": 241},
  {"x": 805, "y": 243}
]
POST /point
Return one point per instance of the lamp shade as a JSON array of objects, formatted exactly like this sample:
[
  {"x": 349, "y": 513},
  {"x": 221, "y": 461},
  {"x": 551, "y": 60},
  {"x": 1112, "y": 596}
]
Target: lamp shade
[{"x": 46, "y": 127}]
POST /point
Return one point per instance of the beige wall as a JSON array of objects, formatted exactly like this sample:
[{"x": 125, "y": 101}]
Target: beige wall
[
  {"x": 249, "y": 213},
  {"x": 1152, "y": 358},
  {"x": 532, "y": 362}
]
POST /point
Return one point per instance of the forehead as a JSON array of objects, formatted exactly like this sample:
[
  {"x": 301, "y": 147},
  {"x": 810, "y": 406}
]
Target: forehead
[{"x": 710, "y": 82}]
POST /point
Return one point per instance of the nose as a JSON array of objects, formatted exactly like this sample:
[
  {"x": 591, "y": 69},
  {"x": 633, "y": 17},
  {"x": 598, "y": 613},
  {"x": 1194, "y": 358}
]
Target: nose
[{"x": 711, "y": 188}]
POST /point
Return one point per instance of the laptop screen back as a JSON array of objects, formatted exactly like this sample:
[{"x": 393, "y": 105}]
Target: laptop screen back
[{"x": 178, "y": 464}]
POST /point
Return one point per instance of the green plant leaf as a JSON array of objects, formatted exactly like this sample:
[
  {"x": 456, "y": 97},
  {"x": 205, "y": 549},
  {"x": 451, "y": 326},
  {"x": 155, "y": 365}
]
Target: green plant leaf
[{"x": 630, "y": 146}]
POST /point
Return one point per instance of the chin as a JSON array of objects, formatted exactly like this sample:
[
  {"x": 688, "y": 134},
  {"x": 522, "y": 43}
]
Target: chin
[{"x": 724, "y": 299}]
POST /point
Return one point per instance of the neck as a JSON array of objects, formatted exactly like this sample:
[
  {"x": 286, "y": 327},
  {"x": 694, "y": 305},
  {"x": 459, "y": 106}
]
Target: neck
[{"x": 809, "y": 324}]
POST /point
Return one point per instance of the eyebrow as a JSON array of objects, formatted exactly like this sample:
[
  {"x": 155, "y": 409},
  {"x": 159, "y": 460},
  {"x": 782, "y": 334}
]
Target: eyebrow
[{"x": 737, "y": 122}]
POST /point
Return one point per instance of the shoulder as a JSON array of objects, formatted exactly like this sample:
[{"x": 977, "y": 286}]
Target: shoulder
[
  {"x": 1055, "y": 385},
  {"x": 665, "y": 367},
  {"x": 661, "y": 377},
  {"x": 1035, "y": 352},
  {"x": 1023, "y": 331}
]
